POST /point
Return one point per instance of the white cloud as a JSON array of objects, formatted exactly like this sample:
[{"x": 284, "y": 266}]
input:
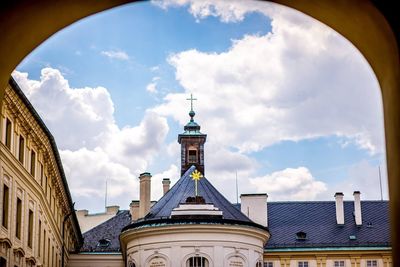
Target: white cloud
[
  {"x": 152, "y": 88},
  {"x": 300, "y": 81},
  {"x": 227, "y": 11},
  {"x": 364, "y": 177},
  {"x": 173, "y": 172},
  {"x": 116, "y": 54},
  {"x": 289, "y": 184},
  {"x": 93, "y": 148}
]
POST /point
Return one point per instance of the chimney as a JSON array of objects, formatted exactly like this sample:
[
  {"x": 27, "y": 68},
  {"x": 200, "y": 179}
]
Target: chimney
[
  {"x": 357, "y": 207},
  {"x": 134, "y": 210},
  {"x": 254, "y": 206},
  {"x": 339, "y": 208},
  {"x": 144, "y": 204},
  {"x": 165, "y": 184},
  {"x": 112, "y": 210}
]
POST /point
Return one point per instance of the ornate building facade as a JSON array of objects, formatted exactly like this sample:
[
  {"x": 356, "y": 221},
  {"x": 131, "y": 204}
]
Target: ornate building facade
[
  {"x": 38, "y": 223},
  {"x": 192, "y": 225}
]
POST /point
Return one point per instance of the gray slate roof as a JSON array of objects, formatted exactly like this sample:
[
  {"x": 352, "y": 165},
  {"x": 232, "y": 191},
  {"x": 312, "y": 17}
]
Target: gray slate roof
[
  {"x": 185, "y": 188},
  {"x": 315, "y": 218},
  {"x": 110, "y": 230},
  {"x": 318, "y": 220}
]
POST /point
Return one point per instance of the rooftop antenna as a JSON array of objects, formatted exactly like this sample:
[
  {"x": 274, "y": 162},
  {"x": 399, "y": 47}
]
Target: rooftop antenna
[
  {"x": 237, "y": 190},
  {"x": 105, "y": 198},
  {"x": 380, "y": 181}
]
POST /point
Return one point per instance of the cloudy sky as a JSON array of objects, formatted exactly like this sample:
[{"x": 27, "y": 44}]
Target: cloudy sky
[{"x": 287, "y": 103}]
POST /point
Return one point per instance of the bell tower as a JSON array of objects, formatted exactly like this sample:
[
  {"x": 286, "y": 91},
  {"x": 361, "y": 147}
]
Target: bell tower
[{"x": 192, "y": 143}]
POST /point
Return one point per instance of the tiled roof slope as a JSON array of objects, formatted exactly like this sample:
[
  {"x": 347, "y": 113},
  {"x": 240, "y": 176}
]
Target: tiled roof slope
[
  {"x": 316, "y": 218},
  {"x": 318, "y": 221},
  {"x": 185, "y": 188},
  {"x": 110, "y": 230}
]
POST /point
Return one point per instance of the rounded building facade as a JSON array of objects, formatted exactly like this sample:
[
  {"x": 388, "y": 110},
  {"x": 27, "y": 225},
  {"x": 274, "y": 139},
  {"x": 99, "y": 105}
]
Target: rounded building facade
[{"x": 196, "y": 244}]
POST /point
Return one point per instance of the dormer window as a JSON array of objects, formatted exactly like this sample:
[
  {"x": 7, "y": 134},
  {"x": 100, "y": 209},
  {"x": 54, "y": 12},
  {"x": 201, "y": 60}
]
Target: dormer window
[
  {"x": 103, "y": 243},
  {"x": 192, "y": 158},
  {"x": 301, "y": 235}
]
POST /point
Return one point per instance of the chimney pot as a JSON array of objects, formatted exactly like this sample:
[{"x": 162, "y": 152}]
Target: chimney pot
[
  {"x": 339, "y": 208},
  {"x": 134, "y": 210},
  {"x": 166, "y": 184}
]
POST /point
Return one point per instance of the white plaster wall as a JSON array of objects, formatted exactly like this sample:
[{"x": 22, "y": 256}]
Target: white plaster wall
[
  {"x": 255, "y": 207},
  {"x": 89, "y": 221}
]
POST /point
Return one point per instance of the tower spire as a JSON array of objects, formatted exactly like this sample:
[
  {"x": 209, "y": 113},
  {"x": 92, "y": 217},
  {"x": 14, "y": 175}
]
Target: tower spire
[
  {"x": 191, "y": 113},
  {"x": 192, "y": 143}
]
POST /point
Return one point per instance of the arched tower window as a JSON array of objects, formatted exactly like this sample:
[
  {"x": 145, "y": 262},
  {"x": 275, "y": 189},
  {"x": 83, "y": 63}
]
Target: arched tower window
[
  {"x": 197, "y": 262},
  {"x": 131, "y": 264}
]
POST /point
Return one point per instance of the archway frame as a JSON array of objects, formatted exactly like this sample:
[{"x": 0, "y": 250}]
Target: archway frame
[{"x": 25, "y": 24}]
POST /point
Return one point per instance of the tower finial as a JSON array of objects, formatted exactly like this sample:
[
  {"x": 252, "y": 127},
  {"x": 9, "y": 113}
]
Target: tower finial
[{"x": 191, "y": 113}]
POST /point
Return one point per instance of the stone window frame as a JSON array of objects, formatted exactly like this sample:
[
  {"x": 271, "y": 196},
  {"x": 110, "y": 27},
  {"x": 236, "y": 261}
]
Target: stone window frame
[
  {"x": 155, "y": 256},
  {"x": 197, "y": 254}
]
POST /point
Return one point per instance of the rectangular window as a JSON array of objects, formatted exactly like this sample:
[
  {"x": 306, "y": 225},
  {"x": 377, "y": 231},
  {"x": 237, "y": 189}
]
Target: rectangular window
[
  {"x": 8, "y": 133},
  {"x": 48, "y": 250},
  {"x": 372, "y": 263},
  {"x": 302, "y": 264},
  {"x": 19, "y": 217},
  {"x": 33, "y": 163},
  {"x": 268, "y": 264},
  {"x": 54, "y": 206},
  {"x": 192, "y": 156},
  {"x": 21, "y": 153},
  {"x": 52, "y": 256},
  {"x": 45, "y": 185},
  {"x": 339, "y": 264},
  {"x": 44, "y": 247},
  {"x": 49, "y": 195},
  {"x": 3, "y": 262},
  {"x": 5, "y": 205},
  {"x": 40, "y": 238},
  {"x": 30, "y": 228},
  {"x": 41, "y": 173}
]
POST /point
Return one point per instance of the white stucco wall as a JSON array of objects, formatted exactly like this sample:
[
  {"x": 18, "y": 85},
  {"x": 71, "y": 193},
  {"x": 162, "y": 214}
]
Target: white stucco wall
[
  {"x": 254, "y": 206},
  {"x": 88, "y": 221},
  {"x": 173, "y": 245}
]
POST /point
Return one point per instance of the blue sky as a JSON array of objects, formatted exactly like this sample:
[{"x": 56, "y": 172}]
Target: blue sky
[{"x": 278, "y": 95}]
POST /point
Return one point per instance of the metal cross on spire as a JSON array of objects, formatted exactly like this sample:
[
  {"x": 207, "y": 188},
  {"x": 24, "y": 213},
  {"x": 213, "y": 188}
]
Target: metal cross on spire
[{"x": 191, "y": 101}]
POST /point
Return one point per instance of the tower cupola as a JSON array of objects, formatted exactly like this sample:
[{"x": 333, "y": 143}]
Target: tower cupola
[{"x": 192, "y": 143}]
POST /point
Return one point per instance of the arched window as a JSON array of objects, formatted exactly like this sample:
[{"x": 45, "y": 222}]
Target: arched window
[
  {"x": 259, "y": 264},
  {"x": 197, "y": 262},
  {"x": 131, "y": 264}
]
